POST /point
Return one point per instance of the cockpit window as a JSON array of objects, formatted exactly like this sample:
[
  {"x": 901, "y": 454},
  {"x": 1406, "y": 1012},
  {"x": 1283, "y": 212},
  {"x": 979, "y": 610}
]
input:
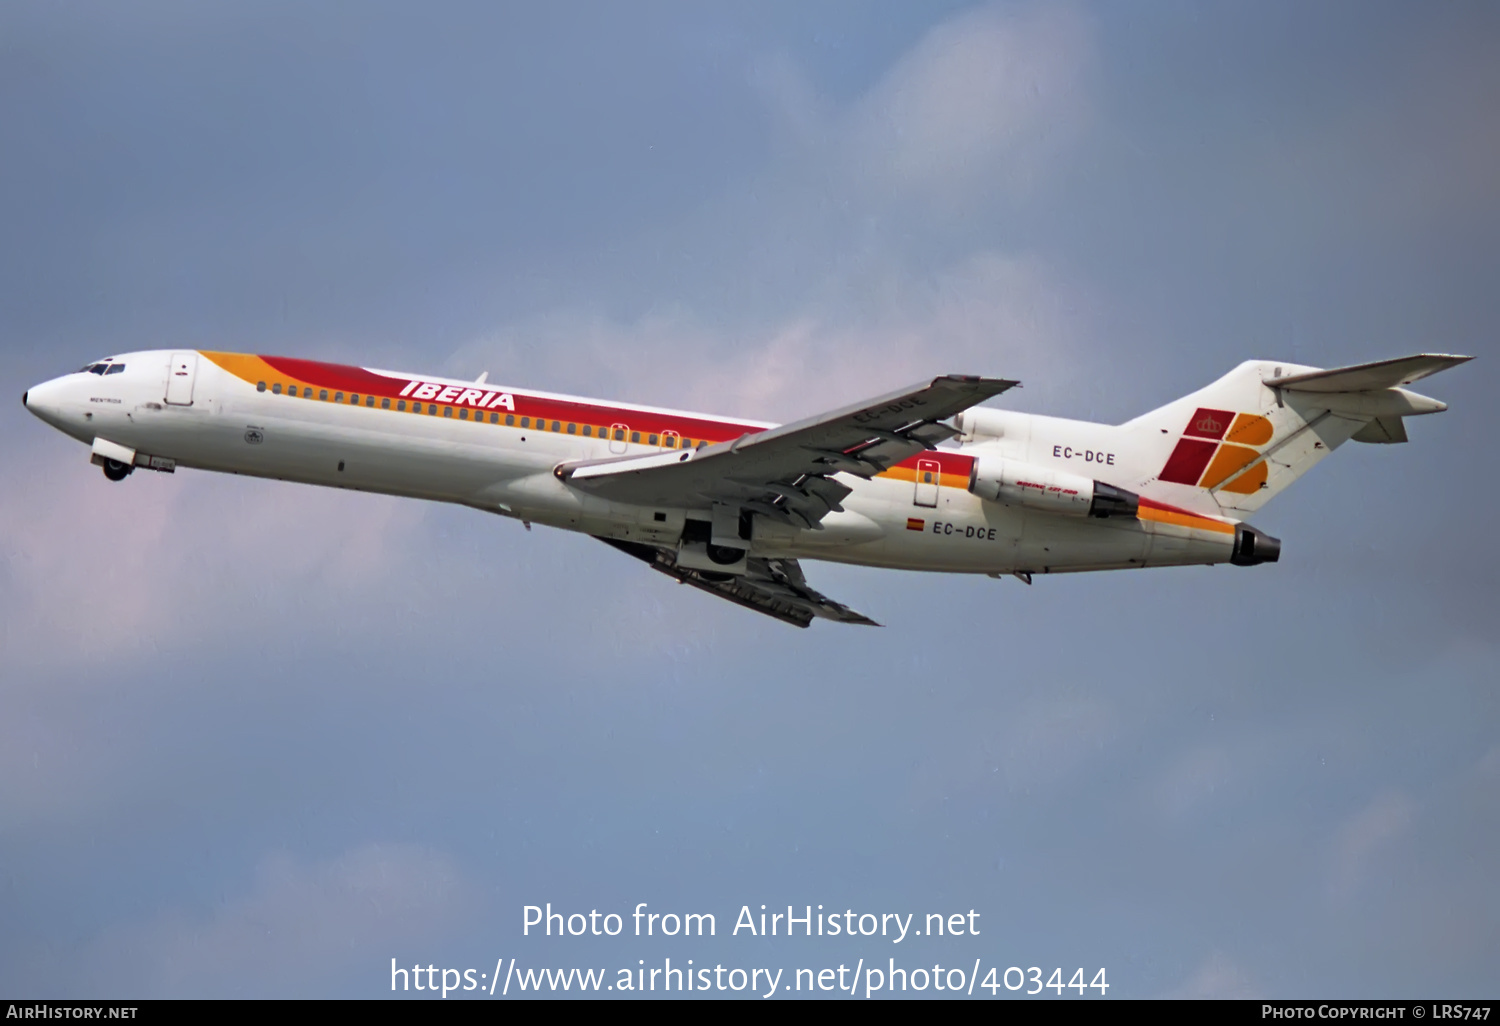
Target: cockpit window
[{"x": 116, "y": 368}]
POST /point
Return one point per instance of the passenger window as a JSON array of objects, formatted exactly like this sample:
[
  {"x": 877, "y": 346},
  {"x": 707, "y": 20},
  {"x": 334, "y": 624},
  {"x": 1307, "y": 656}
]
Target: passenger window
[
  {"x": 510, "y": 419},
  {"x": 276, "y": 388},
  {"x": 572, "y": 429},
  {"x": 556, "y": 426},
  {"x": 588, "y": 431},
  {"x": 526, "y": 422},
  {"x": 370, "y": 401},
  {"x": 354, "y": 400},
  {"x": 260, "y": 386},
  {"x": 635, "y": 436},
  {"x": 385, "y": 404},
  {"x": 400, "y": 405},
  {"x": 651, "y": 440},
  {"x": 338, "y": 397},
  {"x": 323, "y": 395},
  {"x": 495, "y": 418},
  {"x": 463, "y": 414},
  {"x": 447, "y": 411},
  {"x": 619, "y": 434},
  {"x": 291, "y": 390},
  {"x": 432, "y": 409}
]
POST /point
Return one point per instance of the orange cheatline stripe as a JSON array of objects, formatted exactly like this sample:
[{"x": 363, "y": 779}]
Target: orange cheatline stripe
[
  {"x": 247, "y": 367},
  {"x": 954, "y": 467},
  {"x": 1162, "y": 514}
]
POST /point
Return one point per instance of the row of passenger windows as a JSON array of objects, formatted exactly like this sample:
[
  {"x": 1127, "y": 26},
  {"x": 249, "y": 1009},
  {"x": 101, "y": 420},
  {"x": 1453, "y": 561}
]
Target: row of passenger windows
[{"x": 614, "y": 433}]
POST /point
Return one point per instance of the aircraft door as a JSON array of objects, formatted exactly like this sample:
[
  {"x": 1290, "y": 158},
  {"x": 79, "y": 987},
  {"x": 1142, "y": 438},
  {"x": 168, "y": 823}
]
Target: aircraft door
[
  {"x": 618, "y": 433},
  {"x": 180, "y": 377},
  {"x": 929, "y": 473}
]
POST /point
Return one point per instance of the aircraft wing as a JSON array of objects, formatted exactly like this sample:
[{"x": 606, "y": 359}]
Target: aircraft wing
[
  {"x": 787, "y": 472},
  {"x": 775, "y": 587}
]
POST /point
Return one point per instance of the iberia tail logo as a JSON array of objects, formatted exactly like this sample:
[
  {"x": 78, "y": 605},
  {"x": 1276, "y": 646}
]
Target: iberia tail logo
[{"x": 1215, "y": 450}]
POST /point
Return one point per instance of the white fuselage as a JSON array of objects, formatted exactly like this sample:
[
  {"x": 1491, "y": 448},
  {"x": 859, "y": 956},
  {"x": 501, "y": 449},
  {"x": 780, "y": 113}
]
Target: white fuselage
[{"x": 478, "y": 445}]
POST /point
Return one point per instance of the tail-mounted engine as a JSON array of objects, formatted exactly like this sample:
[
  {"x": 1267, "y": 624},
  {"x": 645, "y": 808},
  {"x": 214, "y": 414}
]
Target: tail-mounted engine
[
  {"x": 1052, "y": 491},
  {"x": 1252, "y": 547}
]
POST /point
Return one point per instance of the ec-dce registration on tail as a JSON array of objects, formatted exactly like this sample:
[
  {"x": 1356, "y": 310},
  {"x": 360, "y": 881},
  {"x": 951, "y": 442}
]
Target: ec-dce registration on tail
[{"x": 920, "y": 479}]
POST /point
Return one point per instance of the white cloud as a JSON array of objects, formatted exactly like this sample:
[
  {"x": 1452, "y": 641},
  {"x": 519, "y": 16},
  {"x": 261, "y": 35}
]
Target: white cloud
[
  {"x": 979, "y": 105},
  {"x": 986, "y": 314},
  {"x": 92, "y": 567},
  {"x": 848, "y": 305}
]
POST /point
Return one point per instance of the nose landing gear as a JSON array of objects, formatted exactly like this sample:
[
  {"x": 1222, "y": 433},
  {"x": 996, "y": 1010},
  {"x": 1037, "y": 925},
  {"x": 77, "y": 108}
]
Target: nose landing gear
[{"x": 116, "y": 471}]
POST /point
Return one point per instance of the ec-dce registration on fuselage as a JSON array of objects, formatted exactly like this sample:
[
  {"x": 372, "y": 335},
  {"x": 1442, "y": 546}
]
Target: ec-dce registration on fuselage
[{"x": 920, "y": 479}]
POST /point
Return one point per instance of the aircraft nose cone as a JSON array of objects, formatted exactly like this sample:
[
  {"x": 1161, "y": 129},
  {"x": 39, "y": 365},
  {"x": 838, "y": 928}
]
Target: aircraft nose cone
[{"x": 44, "y": 401}]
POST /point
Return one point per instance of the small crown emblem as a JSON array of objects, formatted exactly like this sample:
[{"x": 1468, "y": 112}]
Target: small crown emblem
[{"x": 1209, "y": 426}]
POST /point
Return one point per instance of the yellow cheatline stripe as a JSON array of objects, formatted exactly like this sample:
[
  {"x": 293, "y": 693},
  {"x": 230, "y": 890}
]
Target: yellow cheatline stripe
[{"x": 253, "y": 369}]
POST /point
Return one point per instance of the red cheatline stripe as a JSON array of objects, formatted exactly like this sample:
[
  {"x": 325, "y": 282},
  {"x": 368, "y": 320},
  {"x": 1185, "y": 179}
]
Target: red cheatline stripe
[
  {"x": 357, "y": 379},
  {"x": 341, "y": 377},
  {"x": 337, "y": 376}
]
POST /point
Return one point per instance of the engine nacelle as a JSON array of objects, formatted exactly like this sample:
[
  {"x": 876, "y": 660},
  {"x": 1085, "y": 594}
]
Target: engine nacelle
[
  {"x": 1252, "y": 547},
  {"x": 1052, "y": 491}
]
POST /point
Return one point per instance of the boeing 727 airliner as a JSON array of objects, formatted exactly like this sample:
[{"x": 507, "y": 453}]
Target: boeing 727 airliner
[{"x": 920, "y": 479}]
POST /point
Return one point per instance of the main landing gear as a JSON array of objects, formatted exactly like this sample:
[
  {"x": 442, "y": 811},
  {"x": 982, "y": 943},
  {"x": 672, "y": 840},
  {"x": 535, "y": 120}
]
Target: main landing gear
[{"x": 117, "y": 471}]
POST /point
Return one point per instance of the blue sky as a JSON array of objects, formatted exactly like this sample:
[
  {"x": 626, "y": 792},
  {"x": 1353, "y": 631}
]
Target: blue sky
[{"x": 258, "y": 738}]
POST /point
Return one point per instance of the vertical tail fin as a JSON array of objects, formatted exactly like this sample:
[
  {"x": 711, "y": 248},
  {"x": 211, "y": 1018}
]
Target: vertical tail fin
[{"x": 1242, "y": 440}]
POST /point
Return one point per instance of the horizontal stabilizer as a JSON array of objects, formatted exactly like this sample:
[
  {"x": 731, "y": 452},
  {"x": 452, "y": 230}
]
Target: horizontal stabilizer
[{"x": 1366, "y": 377}]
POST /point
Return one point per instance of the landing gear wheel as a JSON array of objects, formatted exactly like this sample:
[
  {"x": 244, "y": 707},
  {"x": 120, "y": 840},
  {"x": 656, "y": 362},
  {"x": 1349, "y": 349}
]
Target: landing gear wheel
[{"x": 117, "y": 471}]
